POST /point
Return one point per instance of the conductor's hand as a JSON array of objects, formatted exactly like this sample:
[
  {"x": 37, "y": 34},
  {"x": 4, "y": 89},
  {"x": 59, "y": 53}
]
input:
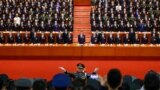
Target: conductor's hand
[
  {"x": 96, "y": 70},
  {"x": 63, "y": 69}
]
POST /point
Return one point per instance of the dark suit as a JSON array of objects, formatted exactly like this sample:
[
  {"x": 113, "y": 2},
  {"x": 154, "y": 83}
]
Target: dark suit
[
  {"x": 94, "y": 40},
  {"x": 144, "y": 40},
  {"x": 2, "y": 27},
  {"x": 81, "y": 39},
  {"x": 153, "y": 40},
  {"x": 10, "y": 39},
  {"x": 18, "y": 39},
  {"x": 43, "y": 40},
  {"x": 26, "y": 39},
  {"x": 65, "y": 35},
  {"x": 158, "y": 40},
  {"x": 103, "y": 40},
  {"x": 141, "y": 27},
  {"x": 51, "y": 39},
  {"x": 56, "y": 28},
  {"x": 137, "y": 41},
  {"x": 59, "y": 39},
  {"x": 110, "y": 40},
  {"x": 132, "y": 37},
  {"x": 2, "y": 40},
  {"x": 34, "y": 40},
  {"x": 126, "y": 40},
  {"x": 118, "y": 40},
  {"x": 69, "y": 39}
]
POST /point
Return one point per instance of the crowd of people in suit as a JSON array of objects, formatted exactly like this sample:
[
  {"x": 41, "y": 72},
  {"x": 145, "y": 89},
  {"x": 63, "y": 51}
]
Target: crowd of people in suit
[
  {"x": 125, "y": 38},
  {"x": 37, "y": 38},
  {"x": 81, "y": 80},
  {"x": 41, "y": 15},
  {"x": 122, "y": 15}
]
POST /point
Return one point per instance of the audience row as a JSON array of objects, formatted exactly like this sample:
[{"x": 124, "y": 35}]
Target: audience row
[
  {"x": 120, "y": 15},
  {"x": 36, "y": 38},
  {"x": 43, "y": 15}
]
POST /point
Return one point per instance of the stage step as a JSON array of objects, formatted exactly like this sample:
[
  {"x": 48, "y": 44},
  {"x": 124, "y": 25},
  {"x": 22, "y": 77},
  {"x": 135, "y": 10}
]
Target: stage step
[{"x": 82, "y": 22}]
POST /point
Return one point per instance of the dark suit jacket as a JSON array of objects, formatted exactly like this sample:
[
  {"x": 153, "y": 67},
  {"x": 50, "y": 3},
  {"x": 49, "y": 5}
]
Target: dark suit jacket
[
  {"x": 2, "y": 40},
  {"x": 69, "y": 39},
  {"x": 103, "y": 40},
  {"x": 110, "y": 40},
  {"x": 81, "y": 40},
  {"x": 144, "y": 40},
  {"x": 94, "y": 40},
  {"x": 42, "y": 40},
  {"x": 153, "y": 40},
  {"x": 59, "y": 40},
  {"x": 158, "y": 40},
  {"x": 118, "y": 40},
  {"x": 65, "y": 36},
  {"x": 56, "y": 28},
  {"x": 18, "y": 39},
  {"x": 126, "y": 40},
  {"x": 137, "y": 41},
  {"x": 26, "y": 39},
  {"x": 10, "y": 40},
  {"x": 51, "y": 40},
  {"x": 34, "y": 40}
]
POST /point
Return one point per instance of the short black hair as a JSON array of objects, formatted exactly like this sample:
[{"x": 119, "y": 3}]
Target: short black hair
[
  {"x": 39, "y": 85},
  {"x": 151, "y": 81},
  {"x": 1, "y": 84},
  {"x": 114, "y": 78},
  {"x": 60, "y": 88}
]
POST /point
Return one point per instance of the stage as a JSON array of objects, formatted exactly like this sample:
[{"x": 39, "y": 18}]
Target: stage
[{"x": 43, "y": 60}]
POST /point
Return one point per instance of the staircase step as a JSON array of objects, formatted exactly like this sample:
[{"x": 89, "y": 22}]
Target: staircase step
[
  {"x": 81, "y": 13},
  {"x": 81, "y": 20},
  {"x": 75, "y": 40},
  {"x": 81, "y": 16},
  {"x": 80, "y": 29},
  {"x": 83, "y": 8},
  {"x": 82, "y": 26}
]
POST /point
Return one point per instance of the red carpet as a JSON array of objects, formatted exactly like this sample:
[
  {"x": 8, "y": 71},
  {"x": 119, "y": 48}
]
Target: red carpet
[{"x": 47, "y": 68}]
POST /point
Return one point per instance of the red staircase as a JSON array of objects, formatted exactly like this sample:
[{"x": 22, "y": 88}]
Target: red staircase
[{"x": 82, "y": 22}]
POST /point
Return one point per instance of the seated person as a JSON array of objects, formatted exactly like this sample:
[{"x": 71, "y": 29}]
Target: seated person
[
  {"x": 81, "y": 38},
  {"x": 94, "y": 39},
  {"x": 158, "y": 39},
  {"x": 110, "y": 39},
  {"x": 10, "y": 38},
  {"x": 59, "y": 38},
  {"x": 118, "y": 39},
  {"x": 34, "y": 39},
  {"x": 51, "y": 38},
  {"x": 153, "y": 39},
  {"x": 2, "y": 39},
  {"x": 69, "y": 38},
  {"x": 137, "y": 40},
  {"x": 144, "y": 39},
  {"x": 42, "y": 39},
  {"x": 26, "y": 39},
  {"x": 126, "y": 39},
  {"x": 102, "y": 39},
  {"x": 18, "y": 38}
]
